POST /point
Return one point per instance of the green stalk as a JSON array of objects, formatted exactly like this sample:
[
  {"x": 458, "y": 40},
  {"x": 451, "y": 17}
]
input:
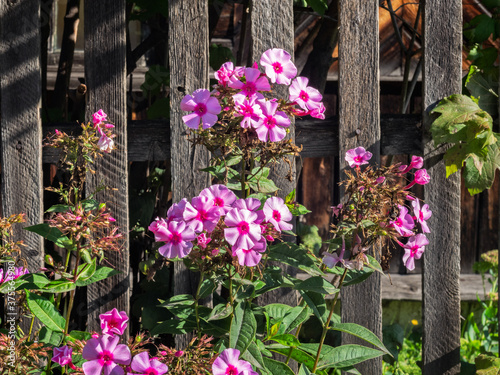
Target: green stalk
[
  {"x": 72, "y": 293},
  {"x": 196, "y": 304},
  {"x": 242, "y": 178},
  {"x": 325, "y": 327},
  {"x": 31, "y": 326}
]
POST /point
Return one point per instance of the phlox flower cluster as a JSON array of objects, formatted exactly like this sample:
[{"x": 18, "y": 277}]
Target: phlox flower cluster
[
  {"x": 368, "y": 192},
  {"x": 242, "y": 93},
  {"x": 12, "y": 275},
  {"x": 101, "y": 125},
  {"x": 217, "y": 220}
]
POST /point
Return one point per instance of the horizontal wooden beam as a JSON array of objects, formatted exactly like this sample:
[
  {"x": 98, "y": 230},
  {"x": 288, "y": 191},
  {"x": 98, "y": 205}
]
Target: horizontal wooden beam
[{"x": 149, "y": 140}]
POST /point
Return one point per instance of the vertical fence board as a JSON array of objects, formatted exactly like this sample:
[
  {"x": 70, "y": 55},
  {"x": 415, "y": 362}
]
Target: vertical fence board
[
  {"x": 20, "y": 122},
  {"x": 441, "y": 293},
  {"x": 359, "y": 125},
  {"x": 188, "y": 54},
  {"x": 105, "y": 75}
]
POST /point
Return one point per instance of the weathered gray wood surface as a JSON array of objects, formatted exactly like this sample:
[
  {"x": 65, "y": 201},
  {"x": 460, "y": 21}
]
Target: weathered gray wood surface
[
  {"x": 20, "y": 122},
  {"x": 105, "y": 54},
  {"x": 359, "y": 125},
  {"x": 442, "y": 74},
  {"x": 188, "y": 54}
]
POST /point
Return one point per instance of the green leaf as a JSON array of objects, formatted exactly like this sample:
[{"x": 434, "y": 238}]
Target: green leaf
[
  {"x": 78, "y": 335},
  {"x": 316, "y": 284},
  {"x": 487, "y": 365},
  {"x": 259, "y": 182},
  {"x": 156, "y": 79},
  {"x": 208, "y": 286},
  {"x": 254, "y": 356},
  {"x": 174, "y": 326},
  {"x": 58, "y": 208},
  {"x": 316, "y": 303},
  {"x": 319, "y": 6},
  {"x": 348, "y": 355},
  {"x": 303, "y": 370},
  {"x": 52, "y": 234},
  {"x": 480, "y": 28},
  {"x": 59, "y": 286},
  {"x": 219, "y": 55},
  {"x": 309, "y": 237},
  {"x": 87, "y": 270},
  {"x": 294, "y": 256},
  {"x": 293, "y": 318},
  {"x": 100, "y": 273},
  {"x": 50, "y": 337},
  {"x": 220, "y": 311},
  {"x": 286, "y": 339},
  {"x": 180, "y": 299},
  {"x": 31, "y": 281},
  {"x": 300, "y": 356},
  {"x": 159, "y": 109},
  {"x": 276, "y": 367},
  {"x": 45, "y": 311},
  {"x": 90, "y": 204},
  {"x": 361, "y": 332},
  {"x": 243, "y": 327},
  {"x": 475, "y": 180}
]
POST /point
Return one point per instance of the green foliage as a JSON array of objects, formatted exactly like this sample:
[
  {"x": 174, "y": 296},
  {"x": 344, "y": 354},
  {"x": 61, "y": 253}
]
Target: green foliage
[
  {"x": 218, "y": 55},
  {"x": 45, "y": 311},
  {"x": 319, "y": 6}
]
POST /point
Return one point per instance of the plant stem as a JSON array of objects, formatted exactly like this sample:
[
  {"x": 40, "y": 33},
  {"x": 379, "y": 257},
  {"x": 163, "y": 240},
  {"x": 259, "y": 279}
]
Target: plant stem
[
  {"x": 196, "y": 304},
  {"x": 242, "y": 178},
  {"x": 31, "y": 326},
  {"x": 325, "y": 327},
  {"x": 72, "y": 293}
]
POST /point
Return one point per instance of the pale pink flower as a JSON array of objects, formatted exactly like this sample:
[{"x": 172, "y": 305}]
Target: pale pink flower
[
  {"x": 227, "y": 363},
  {"x": 404, "y": 223},
  {"x": 158, "y": 223},
  {"x": 104, "y": 353},
  {"x": 250, "y": 257},
  {"x": 62, "y": 355},
  {"x": 422, "y": 214},
  {"x": 252, "y": 85},
  {"x": 251, "y": 204},
  {"x": 242, "y": 230},
  {"x": 279, "y": 66},
  {"x": 318, "y": 112},
  {"x": 277, "y": 213},
  {"x": 305, "y": 96},
  {"x": 177, "y": 237},
  {"x": 113, "y": 322},
  {"x": 221, "y": 196},
  {"x": 205, "y": 109},
  {"x": 176, "y": 211},
  {"x": 414, "y": 249},
  {"x": 250, "y": 111},
  {"x": 201, "y": 214},
  {"x": 203, "y": 240},
  {"x": 357, "y": 156},
  {"x": 226, "y": 71},
  {"x": 273, "y": 124},
  {"x": 105, "y": 143},
  {"x": 99, "y": 117},
  {"x": 143, "y": 365}
]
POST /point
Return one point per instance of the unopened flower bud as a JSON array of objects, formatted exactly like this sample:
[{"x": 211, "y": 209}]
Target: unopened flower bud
[
  {"x": 179, "y": 353},
  {"x": 422, "y": 177},
  {"x": 380, "y": 179}
]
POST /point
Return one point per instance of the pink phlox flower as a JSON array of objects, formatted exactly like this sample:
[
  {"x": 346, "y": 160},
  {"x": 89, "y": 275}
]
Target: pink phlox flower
[
  {"x": 414, "y": 249},
  {"x": 251, "y": 204},
  {"x": 177, "y": 237},
  {"x": 279, "y": 66},
  {"x": 422, "y": 214},
  {"x": 417, "y": 162},
  {"x": 226, "y": 71},
  {"x": 404, "y": 224},
  {"x": 306, "y": 97},
  {"x": 380, "y": 179},
  {"x": 104, "y": 353},
  {"x": 203, "y": 240},
  {"x": 318, "y": 112},
  {"x": 221, "y": 196},
  {"x": 176, "y": 211},
  {"x": 336, "y": 209},
  {"x": 254, "y": 83},
  {"x": 357, "y": 248},
  {"x": 113, "y": 322},
  {"x": 250, "y": 257},
  {"x": 273, "y": 123},
  {"x": 227, "y": 363},
  {"x": 330, "y": 260},
  {"x": 421, "y": 177},
  {"x": 143, "y": 365},
  {"x": 178, "y": 353},
  {"x": 158, "y": 223},
  {"x": 277, "y": 213},
  {"x": 250, "y": 111},
  {"x": 242, "y": 230},
  {"x": 105, "y": 143},
  {"x": 201, "y": 214},
  {"x": 204, "y": 107},
  {"x": 99, "y": 117},
  {"x": 10, "y": 276},
  {"x": 62, "y": 355},
  {"x": 357, "y": 156}
]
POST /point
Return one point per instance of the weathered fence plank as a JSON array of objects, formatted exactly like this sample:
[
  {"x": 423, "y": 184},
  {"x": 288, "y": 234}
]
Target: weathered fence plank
[
  {"x": 188, "y": 54},
  {"x": 442, "y": 74},
  {"x": 359, "y": 125},
  {"x": 20, "y": 122},
  {"x": 105, "y": 76}
]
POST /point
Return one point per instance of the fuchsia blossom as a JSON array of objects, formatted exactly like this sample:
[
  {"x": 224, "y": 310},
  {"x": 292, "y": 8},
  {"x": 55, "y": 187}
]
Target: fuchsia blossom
[
  {"x": 318, "y": 112},
  {"x": 203, "y": 240},
  {"x": 417, "y": 162},
  {"x": 226, "y": 71},
  {"x": 404, "y": 223},
  {"x": 251, "y": 204},
  {"x": 177, "y": 237},
  {"x": 357, "y": 156},
  {"x": 176, "y": 211},
  {"x": 158, "y": 223},
  {"x": 9, "y": 276},
  {"x": 414, "y": 249},
  {"x": 201, "y": 214},
  {"x": 421, "y": 177},
  {"x": 205, "y": 109},
  {"x": 250, "y": 257},
  {"x": 99, "y": 117},
  {"x": 422, "y": 214},
  {"x": 104, "y": 353},
  {"x": 221, "y": 196},
  {"x": 250, "y": 111},
  {"x": 306, "y": 97},
  {"x": 143, "y": 365},
  {"x": 113, "y": 322},
  {"x": 242, "y": 229},
  {"x": 273, "y": 124},
  {"x": 330, "y": 260},
  {"x": 279, "y": 66},
  {"x": 62, "y": 355},
  {"x": 227, "y": 363},
  {"x": 252, "y": 85},
  {"x": 277, "y": 213}
]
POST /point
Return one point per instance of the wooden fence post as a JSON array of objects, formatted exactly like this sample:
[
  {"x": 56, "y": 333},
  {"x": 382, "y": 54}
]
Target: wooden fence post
[
  {"x": 359, "y": 125},
  {"x": 442, "y": 75},
  {"x": 105, "y": 77},
  {"x": 188, "y": 55},
  {"x": 20, "y": 122}
]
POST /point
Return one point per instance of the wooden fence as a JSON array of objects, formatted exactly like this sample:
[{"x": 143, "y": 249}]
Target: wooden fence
[{"x": 271, "y": 24}]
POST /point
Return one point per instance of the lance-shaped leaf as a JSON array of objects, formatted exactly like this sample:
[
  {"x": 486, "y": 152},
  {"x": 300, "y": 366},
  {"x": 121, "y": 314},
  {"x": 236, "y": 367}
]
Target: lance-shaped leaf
[
  {"x": 45, "y": 311},
  {"x": 243, "y": 327},
  {"x": 361, "y": 332}
]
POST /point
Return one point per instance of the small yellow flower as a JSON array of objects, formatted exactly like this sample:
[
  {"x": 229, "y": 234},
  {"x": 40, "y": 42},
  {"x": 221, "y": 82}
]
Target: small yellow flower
[{"x": 414, "y": 322}]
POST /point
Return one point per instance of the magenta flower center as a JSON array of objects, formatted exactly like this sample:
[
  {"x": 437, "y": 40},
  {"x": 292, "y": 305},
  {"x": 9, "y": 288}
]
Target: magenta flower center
[
  {"x": 202, "y": 215},
  {"x": 150, "y": 371},
  {"x": 278, "y": 68},
  {"x": 303, "y": 95},
  {"x": 276, "y": 215},
  {"x": 358, "y": 159},
  {"x": 270, "y": 122},
  {"x": 231, "y": 370},
  {"x": 200, "y": 109},
  {"x": 247, "y": 111},
  {"x": 414, "y": 250},
  {"x": 243, "y": 227},
  {"x": 112, "y": 323},
  {"x": 250, "y": 88},
  {"x": 421, "y": 215},
  {"x": 175, "y": 238},
  {"x": 105, "y": 357},
  {"x": 219, "y": 202}
]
